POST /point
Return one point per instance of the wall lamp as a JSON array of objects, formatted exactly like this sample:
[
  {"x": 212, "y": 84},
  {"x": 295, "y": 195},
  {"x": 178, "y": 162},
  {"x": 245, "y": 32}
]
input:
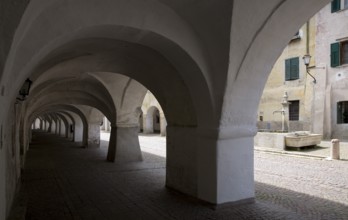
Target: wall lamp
[
  {"x": 24, "y": 91},
  {"x": 306, "y": 59}
]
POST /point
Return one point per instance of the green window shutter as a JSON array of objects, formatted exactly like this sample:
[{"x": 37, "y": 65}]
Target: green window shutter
[
  {"x": 295, "y": 68},
  {"x": 287, "y": 69},
  {"x": 335, "y": 5},
  {"x": 335, "y": 54}
]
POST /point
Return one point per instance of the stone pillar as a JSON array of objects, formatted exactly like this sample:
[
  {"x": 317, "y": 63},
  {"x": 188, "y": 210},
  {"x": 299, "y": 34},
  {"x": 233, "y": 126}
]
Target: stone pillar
[
  {"x": 335, "y": 149},
  {"x": 215, "y": 168},
  {"x": 111, "y": 156},
  {"x": 147, "y": 124},
  {"x": 50, "y": 126},
  {"x": 181, "y": 172},
  {"x": 67, "y": 130},
  {"x": 108, "y": 127},
  {"x": 124, "y": 144},
  {"x": 57, "y": 127},
  {"x": 63, "y": 130},
  {"x": 105, "y": 124},
  {"x": 229, "y": 176},
  {"x": 94, "y": 134},
  {"x": 163, "y": 123}
]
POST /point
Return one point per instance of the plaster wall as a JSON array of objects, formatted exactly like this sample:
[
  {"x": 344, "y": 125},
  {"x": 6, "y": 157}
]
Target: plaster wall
[
  {"x": 3, "y": 178},
  {"x": 339, "y": 93},
  {"x": 2, "y": 175},
  {"x": 300, "y": 89},
  {"x": 331, "y": 28},
  {"x": 12, "y": 159}
]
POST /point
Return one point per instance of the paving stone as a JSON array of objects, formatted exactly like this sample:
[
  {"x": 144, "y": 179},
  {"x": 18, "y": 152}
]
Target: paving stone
[{"x": 63, "y": 181}]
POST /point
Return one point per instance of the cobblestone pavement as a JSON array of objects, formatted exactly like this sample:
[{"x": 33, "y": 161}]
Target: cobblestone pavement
[
  {"x": 320, "y": 151},
  {"x": 65, "y": 181}
]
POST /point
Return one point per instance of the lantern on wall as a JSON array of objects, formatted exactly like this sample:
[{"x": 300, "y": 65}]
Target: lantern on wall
[{"x": 24, "y": 91}]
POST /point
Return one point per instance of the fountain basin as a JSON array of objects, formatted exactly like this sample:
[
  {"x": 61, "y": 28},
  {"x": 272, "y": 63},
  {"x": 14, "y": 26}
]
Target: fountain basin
[
  {"x": 270, "y": 140},
  {"x": 302, "y": 139}
]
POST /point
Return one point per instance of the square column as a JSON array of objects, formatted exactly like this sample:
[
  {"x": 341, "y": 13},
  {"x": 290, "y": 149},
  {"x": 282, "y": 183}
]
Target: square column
[
  {"x": 124, "y": 145},
  {"x": 226, "y": 170},
  {"x": 212, "y": 168}
]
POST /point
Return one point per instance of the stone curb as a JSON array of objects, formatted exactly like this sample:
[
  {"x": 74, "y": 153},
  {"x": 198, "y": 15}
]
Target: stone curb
[{"x": 288, "y": 153}]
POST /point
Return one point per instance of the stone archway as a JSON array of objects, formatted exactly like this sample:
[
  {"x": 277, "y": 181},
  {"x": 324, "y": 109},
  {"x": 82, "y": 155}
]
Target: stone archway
[
  {"x": 152, "y": 121},
  {"x": 209, "y": 71}
]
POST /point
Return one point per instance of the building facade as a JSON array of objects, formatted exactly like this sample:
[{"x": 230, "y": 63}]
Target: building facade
[
  {"x": 208, "y": 73},
  {"x": 331, "y": 91},
  {"x": 289, "y": 76},
  {"x": 320, "y": 107}
]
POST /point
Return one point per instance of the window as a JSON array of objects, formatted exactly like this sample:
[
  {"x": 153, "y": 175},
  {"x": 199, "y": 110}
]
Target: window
[
  {"x": 342, "y": 112},
  {"x": 294, "y": 110},
  {"x": 339, "y": 53},
  {"x": 292, "y": 68},
  {"x": 336, "y": 5},
  {"x": 344, "y": 52}
]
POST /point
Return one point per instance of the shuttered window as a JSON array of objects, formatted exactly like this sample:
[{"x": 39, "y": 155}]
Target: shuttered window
[
  {"x": 335, "y": 5},
  {"x": 335, "y": 54},
  {"x": 339, "y": 53},
  {"x": 294, "y": 110},
  {"x": 292, "y": 68}
]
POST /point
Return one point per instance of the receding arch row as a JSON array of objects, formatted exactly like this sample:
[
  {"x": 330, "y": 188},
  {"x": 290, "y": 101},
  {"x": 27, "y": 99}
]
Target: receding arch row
[
  {"x": 64, "y": 110},
  {"x": 221, "y": 61}
]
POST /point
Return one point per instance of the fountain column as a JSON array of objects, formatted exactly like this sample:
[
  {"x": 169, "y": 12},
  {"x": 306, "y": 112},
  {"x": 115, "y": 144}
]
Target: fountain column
[{"x": 285, "y": 112}]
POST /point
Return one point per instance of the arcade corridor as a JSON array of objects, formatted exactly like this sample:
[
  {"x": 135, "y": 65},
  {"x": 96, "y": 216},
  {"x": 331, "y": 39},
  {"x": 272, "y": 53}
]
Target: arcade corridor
[{"x": 64, "y": 181}]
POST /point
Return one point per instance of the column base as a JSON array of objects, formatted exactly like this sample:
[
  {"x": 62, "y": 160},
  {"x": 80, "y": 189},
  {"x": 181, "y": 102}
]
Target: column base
[{"x": 124, "y": 145}]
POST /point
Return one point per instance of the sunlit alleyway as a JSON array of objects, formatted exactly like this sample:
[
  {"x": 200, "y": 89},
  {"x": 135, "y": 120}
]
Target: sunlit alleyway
[{"x": 65, "y": 181}]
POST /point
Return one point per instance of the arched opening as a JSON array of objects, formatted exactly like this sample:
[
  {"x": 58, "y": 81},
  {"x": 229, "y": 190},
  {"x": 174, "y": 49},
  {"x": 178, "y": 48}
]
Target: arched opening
[
  {"x": 206, "y": 75},
  {"x": 152, "y": 121}
]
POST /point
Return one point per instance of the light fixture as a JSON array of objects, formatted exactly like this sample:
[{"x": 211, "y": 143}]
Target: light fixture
[
  {"x": 307, "y": 59},
  {"x": 24, "y": 91}
]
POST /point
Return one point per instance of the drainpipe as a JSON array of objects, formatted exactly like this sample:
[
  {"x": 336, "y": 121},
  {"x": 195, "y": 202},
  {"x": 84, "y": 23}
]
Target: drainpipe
[{"x": 307, "y": 37}]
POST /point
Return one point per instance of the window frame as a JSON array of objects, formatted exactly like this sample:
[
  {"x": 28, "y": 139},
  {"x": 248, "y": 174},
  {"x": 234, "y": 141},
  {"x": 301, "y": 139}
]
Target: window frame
[
  {"x": 339, "y": 56},
  {"x": 292, "y": 68},
  {"x": 342, "y": 112},
  {"x": 339, "y": 5},
  {"x": 344, "y": 54},
  {"x": 294, "y": 113}
]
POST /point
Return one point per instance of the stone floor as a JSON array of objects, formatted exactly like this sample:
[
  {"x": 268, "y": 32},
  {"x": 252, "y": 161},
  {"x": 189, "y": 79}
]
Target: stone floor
[
  {"x": 322, "y": 150},
  {"x": 64, "y": 181}
]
